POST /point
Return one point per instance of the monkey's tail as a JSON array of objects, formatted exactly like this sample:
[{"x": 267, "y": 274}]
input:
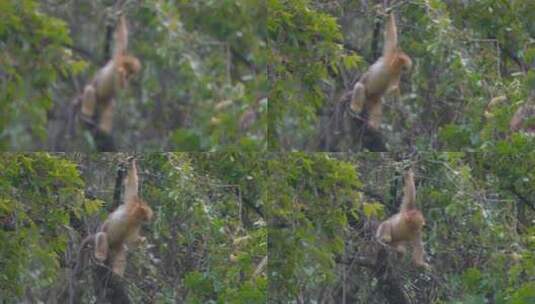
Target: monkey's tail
[
  {"x": 81, "y": 255},
  {"x": 76, "y": 274}
]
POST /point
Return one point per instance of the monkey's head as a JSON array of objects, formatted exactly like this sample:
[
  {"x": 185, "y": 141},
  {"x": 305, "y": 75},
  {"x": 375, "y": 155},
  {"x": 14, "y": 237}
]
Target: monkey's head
[
  {"x": 406, "y": 62},
  {"x": 131, "y": 65},
  {"x": 414, "y": 219},
  {"x": 142, "y": 211},
  {"x": 145, "y": 213}
]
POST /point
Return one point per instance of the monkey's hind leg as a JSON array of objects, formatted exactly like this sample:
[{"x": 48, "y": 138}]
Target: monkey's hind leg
[
  {"x": 106, "y": 117},
  {"x": 418, "y": 253},
  {"x": 375, "y": 114},
  {"x": 384, "y": 235},
  {"x": 119, "y": 261},
  {"x": 89, "y": 100},
  {"x": 358, "y": 98},
  {"x": 400, "y": 248},
  {"x": 101, "y": 246}
]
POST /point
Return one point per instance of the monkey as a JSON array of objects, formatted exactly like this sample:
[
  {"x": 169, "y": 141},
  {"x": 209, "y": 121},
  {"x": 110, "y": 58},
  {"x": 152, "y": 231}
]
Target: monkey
[
  {"x": 113, "y": 238},
  {"x": 405, "y": 228},
  {"x": 121, "y": 228},
  {"x": 493, "y": 104},
  {"x": 382, "y": 77},
  {"x": 98, "y": 97},
  {"x": 251, "y": 115},
  {"x": 523, "y": 119}
]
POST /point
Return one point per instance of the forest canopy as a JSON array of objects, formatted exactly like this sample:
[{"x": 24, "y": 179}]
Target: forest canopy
[
  {"x": 202, "y": 85},
  {"x": 206, "y": 243},
  {"x": 267, "y": 151},
  {"x": 473, "y": 68},
  {"x": 479, "y": 233}
]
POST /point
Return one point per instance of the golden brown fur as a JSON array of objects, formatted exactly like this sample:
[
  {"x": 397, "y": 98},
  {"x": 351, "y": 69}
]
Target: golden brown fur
[
  {"x": 98, "y": 98},
  {"x": 121, "y": 228},
  {"x": 382, "y": 77},
  {"x": 523, "y": 119},
  {"x": 405, "y": 228}
]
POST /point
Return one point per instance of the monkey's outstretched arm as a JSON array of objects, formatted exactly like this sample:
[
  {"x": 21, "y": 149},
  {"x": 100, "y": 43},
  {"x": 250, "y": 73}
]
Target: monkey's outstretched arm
[
  {"x": 121, "y": 37},
  {"x": 409, "y": 192},
  {"x": 391, "y": 37},
  {"x": 131, "y": 184}
]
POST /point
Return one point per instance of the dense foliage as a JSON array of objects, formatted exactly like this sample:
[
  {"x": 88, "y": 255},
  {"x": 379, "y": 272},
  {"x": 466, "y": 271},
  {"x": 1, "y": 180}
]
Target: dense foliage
[
  {"x": 480, "y": 223},
  {"x": 205, "y": 244},
  {"x": 465, "y": 54},
  {"x": 202, "y": 87},
  {"x": 208, "y": 68}
]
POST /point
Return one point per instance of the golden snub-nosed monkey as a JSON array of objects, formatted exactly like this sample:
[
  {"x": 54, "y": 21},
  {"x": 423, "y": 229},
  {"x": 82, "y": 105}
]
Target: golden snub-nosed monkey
[
  {"x": 405, "y": 227},
  {"x": 98, "y": 98},
  {"x": 121, "y": 228},
  {"x": 382, "y": 76}
]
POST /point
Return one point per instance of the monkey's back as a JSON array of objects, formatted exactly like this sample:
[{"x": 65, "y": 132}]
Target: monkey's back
[
  {"x": 118, "y": 226},
  {"x": 105, "y": 82},
  {"x": 377, "y": 78},
  {"x": 401, "y": 230}
]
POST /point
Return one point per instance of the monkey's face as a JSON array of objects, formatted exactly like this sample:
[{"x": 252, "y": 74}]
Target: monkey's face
[
  {"x": 415, "y": 219},
  {"x": 132, "y": 68},
  {"x": 147, "y": 212},
  {"x": 130, "y": 65},
  {"x": 405, "y": 62},
  {"x": 142, "y": 213}
]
